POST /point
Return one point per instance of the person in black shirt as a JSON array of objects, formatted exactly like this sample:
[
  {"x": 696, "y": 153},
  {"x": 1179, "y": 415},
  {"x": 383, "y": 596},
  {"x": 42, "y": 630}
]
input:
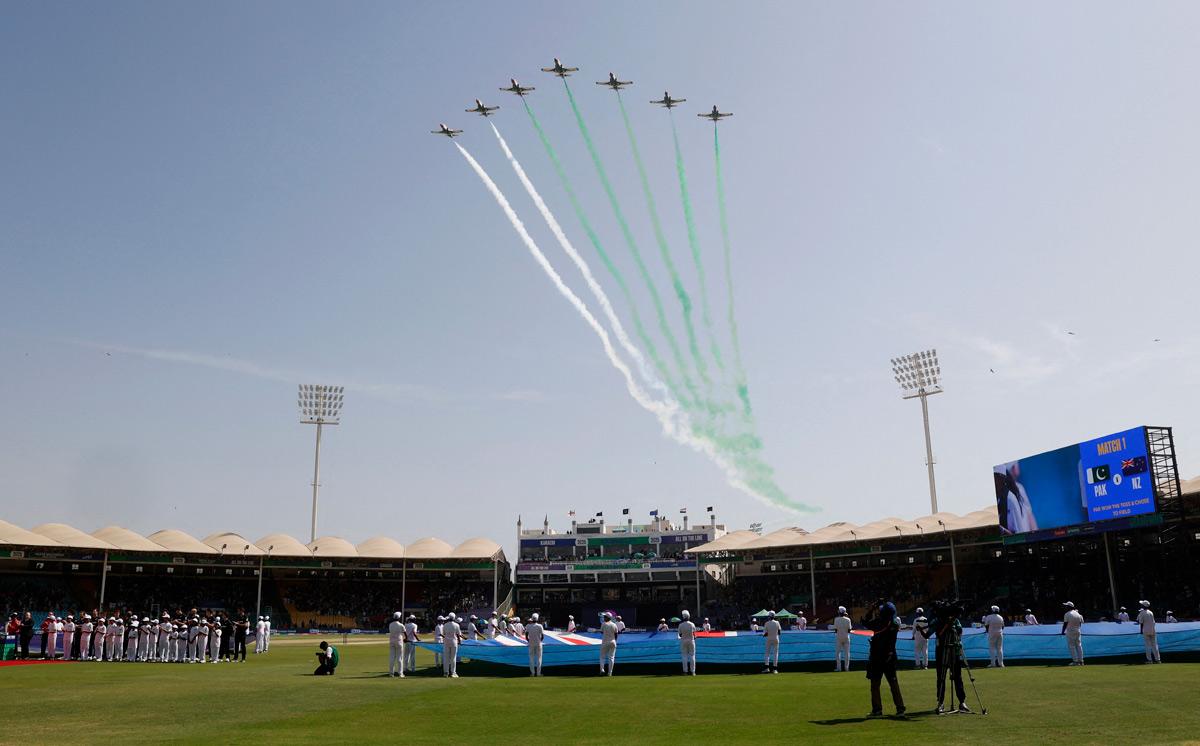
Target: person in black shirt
[
  {"x": 240, "y": 626},
  {"x": 882, "y": 660},
  {"x": 227, "y": 638},
  {"x": 949, "y": 656},
  {"x": 26, "y": 635}
]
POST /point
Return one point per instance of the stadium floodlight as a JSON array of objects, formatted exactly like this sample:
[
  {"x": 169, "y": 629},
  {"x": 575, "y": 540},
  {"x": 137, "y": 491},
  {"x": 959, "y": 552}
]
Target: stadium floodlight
[
  {"x": 320, "y": 406},
  {"x": 920, "y": 376}
]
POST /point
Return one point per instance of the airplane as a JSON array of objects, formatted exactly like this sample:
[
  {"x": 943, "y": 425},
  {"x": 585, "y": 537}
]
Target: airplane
[
  {"x": 715, "y": 115},
  {"x": 444, "y": 130},
  {"x": 613, "y": 83},
  {"x": 481, "y": 110},
  {"x": 559, "y": 70},
  {"x": 517, "y": 88},
  {"x": 668, "y": 102}
]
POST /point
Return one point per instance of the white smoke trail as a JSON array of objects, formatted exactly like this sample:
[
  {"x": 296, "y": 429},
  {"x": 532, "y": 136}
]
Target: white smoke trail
[
  {"x": 597, "y": 290},
  {"x": 674, "y": 422}
]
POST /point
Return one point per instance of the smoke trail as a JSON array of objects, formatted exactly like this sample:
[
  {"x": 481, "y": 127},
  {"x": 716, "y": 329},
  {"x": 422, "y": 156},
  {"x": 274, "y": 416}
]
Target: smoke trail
[
  {"x": 694, "y": 243},
  {"x": 638, "y": 327},
  {"x": 681, "y": 293},
  {"x": 637, "y": 255},
  {"x": 673, "y": 421},
  {"x": 597, "y": 291},
  {"x": 743, "y": 389}
]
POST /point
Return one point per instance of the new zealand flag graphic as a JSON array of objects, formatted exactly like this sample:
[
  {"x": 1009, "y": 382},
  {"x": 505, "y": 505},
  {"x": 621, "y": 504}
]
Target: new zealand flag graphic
[{"x": 1135, "y": 465}]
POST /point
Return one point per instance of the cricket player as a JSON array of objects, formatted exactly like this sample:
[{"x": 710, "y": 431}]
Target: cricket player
[
  {"x": 1030, "y": 618},
  {"x": 608, "y": 645},
  {"x": 994, "y": 624},
  {"x": 52, "y": 628},
  {"x": 396, "y": 647},
  {"x": 1122, "y": 616},
  {"x": 570, "y": 624},
  {"x": 68, "y": 628},
  {"x": 534, "y": 634},
  {"x": 439, "y": 639},
  {"x": 202, "y": 632},
  {"x": 771, "y": 632},
  {"x": 266, "y": 633},
  {"x": 145, "y": 646},
  {"x": 921, "y": 640},
  {"x": 101, "y": 640},
  {"x": 841, "y": 645},
  {"x": 473, "y": 628},
  {"x": 119, "y": 631},
  {"x": 411, "y": 638},
  {"x": 165, "y": 628},
  {"x": 1145, "y": 620},
  {"x": 1072, "y": 628},
  {"x": 214, "y": 641},
  {"x": 451, "y": 635},
  {"x": 687, "y": 644},
  {"x": 260, "y": 635},
  {"x": 85, "y": 638}
]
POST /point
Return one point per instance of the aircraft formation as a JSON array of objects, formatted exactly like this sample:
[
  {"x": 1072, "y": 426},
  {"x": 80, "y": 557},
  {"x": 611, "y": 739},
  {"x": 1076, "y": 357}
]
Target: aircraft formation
[{"x": 560, "y": 70}]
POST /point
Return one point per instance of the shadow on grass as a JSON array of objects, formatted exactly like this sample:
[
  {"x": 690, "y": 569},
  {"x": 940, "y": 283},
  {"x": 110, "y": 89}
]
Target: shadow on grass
[{"x": 906, "y": 717}]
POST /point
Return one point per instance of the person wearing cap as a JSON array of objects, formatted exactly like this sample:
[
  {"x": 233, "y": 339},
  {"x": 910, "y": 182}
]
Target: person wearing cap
[
  {"x": 473, "y": 628},
  {"x": 608, "y": 645},
  {"x": 1072, "y": 628},
  {"x": 266, "y": 633},
  {"x": 570, "y": 624},
  {"x": 662, "y": 626},
  {"x": 68, "y": 635},
  {"x": 121, "y": 630},
  {"x": 1122, "y": 616},
  {"x": 1145, "y": 620},
  {"x": 101, "y": 641},
  {"x": 396, "y": 647},
  {"x": 50, "y": 637},
  {"x": 771, "y": 631},
  {"x": 534, "y": 634},
  {"x": 801, "y": 622},
  {"x": 706, "y": 626},
  {"x": 841, "y": 643},
  {"x": 260, "y": 633},
  {"x": 85, "y": 638},
  {"x": 994, "y": 624},
  {"x": 214, "y": 641},
  {"x": 1030, "y": 618},
  {"x": 411, "y": 638},
  {"x": 203, "y": 630},
  {"x": 687, "y": 643},
  {"x": 439, "y": 640},
  {"x": 620, "y": 624},
  {"x": 451, "y": 636},
  {"x": 1170, "y": 618},
  {"x": 158, "y": 644},
  {"x": 881, "y": 662},
  {"x": 920, "y": 633},
  {"x": 516, "y": 627}
]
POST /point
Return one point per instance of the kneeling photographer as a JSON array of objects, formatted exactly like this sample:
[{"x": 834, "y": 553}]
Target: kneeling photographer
[{"x": 881, "y": 664}]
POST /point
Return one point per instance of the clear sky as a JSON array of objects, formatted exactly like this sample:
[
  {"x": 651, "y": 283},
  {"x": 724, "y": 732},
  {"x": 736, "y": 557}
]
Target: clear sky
[{"x": 204, "y": 204}]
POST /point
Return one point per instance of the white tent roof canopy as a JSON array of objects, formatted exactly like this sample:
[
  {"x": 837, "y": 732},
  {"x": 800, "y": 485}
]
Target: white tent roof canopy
[{"x": 233, "y": 544}]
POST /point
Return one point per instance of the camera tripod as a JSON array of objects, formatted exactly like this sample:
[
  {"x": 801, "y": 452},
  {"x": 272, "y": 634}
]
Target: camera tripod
[{"x": 944, "y": 671}]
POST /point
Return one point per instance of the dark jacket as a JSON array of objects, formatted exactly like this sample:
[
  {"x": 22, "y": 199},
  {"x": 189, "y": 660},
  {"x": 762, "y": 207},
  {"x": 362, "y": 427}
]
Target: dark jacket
[{"x": 882, "y": 657}]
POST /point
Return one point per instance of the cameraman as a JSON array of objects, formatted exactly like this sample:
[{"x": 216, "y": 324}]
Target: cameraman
[
  {"x": 948, "y": 629},
  {"x": 881, "y": 662}
]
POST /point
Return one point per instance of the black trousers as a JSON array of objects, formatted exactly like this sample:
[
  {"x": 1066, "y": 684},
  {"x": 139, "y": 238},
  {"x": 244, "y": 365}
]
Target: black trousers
[
  {"x": 239, "y": 647},
  {"x": 25, "y": 646},
  {"x": 893, "y": 685},
  {"x": 325, "y": 669},
  {"x": 949, "y": 662},
  {"x": 45, "y": 640}
]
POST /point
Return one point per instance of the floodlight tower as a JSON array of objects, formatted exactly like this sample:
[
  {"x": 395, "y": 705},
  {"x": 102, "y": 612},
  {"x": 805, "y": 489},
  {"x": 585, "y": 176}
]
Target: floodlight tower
[
  {"x": 320, "y": 406},
  {"x": 920, "y": 377}
]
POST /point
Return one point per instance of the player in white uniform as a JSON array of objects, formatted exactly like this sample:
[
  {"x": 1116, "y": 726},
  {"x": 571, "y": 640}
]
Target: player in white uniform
[
  {"x": 1170, "y": 618},
  {"x": 492, "y": 626},
  {"x": 68, "y": 636},
  {"x": 771, "y": 632},
  {"x": 706, "y": 626},
  {"x": 260, "y": 634},
  {"x": 920, "y": 628},
  {"x": 687, "y": 643},
  {"x": 1145, "y": 620},
  {"x": 801, "y": 622},
  {"x": 411, "y": 638},
  {"x": 85, "y": 638},
  {"x": 52, "y": 628},
  {"x": 165, "y": 627},
  {"x": 1072, "y": 628},
  {"x": 438, "y": 640},
  {"x": 662, "y": 626},
  {"x": 841, "y": 645},
  {"x": 202, "y": 640},
  {"x": 994, "y": 624},
  {"x": 534, "y": 634},
  {"x": 608, "y": 645},
  {"x": 266, "y": 633},
  {"x": 1122, "y": 616},
  {"x": 1030, "y": 618},
  {"x": 451, "y": 634},
  {"x": 214, "y": 641},
  {"x": 396, "y": 647},
  {"x": 146, "y": 643},
  {"x": 473, "y": 628},
  {"x": 100, "y": 643},
  {"x": 620, "y": 624},
  {"x": 121, "y": 632},
  {"x": 570, "y": 624}
]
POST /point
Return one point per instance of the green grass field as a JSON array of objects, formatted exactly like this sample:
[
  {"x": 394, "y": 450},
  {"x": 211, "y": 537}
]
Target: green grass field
[{"x": 273, "y": 699}]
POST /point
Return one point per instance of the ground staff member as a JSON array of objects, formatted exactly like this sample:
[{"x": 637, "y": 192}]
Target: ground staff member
[
  {"x": 396, "y": 647},
  {"x": 921, "y": 636},
  {"x": 687, "y": 643},
  {"x": 1072, "y": 628},
  {"x": 881, "y": 663},
  {"x": 771, "y": 632},
  {"x": 534, "y": 633},
  {"x": 1145, "y": 620},
  {"x": 608, "y": 645},
  {"x": 841, "y": 645},
  {"x": 451, "y": 636}
]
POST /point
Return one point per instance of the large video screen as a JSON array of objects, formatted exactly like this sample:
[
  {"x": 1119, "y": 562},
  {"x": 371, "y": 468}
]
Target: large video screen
[{"x": 1101, "y": 479}]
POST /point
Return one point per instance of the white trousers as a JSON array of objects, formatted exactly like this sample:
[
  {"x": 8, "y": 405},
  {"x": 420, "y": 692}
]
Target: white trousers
[
  {"x": 450, "y": 657},
  {"x": 395, "y": 658},
  {"x": 410, "y": 656},
  {"x": 841, "y": 655},
  {"x": 51, "y": 645},
  {"x": 214, "y": 647},
  {"x": 771, "y": 655},
  {"x": 266, "y": 641},
  {"x": 258, "y": 641},
  {"x": 200, "y": 648},
  {"x": 921, "y": 651},
  {"x": 996, "y": 649},
  {"x": 1151, "y": 643},
  {"x": 85, "y": 644},
  {"x": 535, "y": 658},
  {"x": 164, "y": 648},
  {"x": 1075, "y": 647},
  {"x": 608, "y": 656},
  {"x": 687, "y": 655}
]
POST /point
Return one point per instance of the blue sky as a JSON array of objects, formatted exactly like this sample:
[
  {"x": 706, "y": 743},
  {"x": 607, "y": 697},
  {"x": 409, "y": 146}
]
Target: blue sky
[{"x": 205, "y": 204}]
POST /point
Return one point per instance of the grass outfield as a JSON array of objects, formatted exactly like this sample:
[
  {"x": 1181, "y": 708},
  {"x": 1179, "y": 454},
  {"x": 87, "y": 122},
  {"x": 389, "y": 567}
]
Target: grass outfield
[{"x": 273, "y": 699}]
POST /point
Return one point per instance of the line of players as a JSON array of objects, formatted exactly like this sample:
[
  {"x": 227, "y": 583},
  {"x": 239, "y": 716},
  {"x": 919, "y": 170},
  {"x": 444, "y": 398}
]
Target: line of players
[{"x": 194, "y": 639}]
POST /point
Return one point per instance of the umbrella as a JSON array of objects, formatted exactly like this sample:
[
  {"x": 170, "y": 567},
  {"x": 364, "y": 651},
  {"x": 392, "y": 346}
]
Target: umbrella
[
  {"x": 784, "y": 614},
  {"x": 674, "y": 620},
  {"x": 764, "y": 612}
]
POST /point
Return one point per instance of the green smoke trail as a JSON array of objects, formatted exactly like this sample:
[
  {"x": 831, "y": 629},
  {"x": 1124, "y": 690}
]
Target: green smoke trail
[
  {"x": 639, "y": 327},
  {"x": 685, "y": 301},
  {"x": 637, "y": 255},
  {"x": 743, "y": 389},
  {"x": 694, "y": 243}
]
